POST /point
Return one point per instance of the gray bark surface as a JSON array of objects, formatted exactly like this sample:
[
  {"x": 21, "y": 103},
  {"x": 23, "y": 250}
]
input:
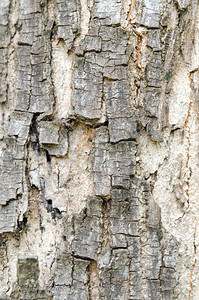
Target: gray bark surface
[{"x": 99, "y": 160}]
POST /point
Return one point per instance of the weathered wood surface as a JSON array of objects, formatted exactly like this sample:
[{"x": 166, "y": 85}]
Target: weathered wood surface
[{"x": 99, "y": 152}]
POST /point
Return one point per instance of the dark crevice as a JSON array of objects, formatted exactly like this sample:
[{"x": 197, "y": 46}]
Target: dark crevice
[
  {"x": 55, "y": 212},
  {"x": 34, "y": 134},
  {"x": 82, "y": 257},
  {"x": 48, "y": 157}
]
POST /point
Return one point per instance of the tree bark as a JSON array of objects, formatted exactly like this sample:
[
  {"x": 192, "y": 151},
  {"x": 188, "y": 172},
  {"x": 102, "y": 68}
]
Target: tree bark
[{"x": 99, "y": 134}]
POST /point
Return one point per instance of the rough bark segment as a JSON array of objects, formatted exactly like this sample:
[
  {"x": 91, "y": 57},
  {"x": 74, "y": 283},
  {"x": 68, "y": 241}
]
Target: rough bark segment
[
  {"x": 68, "y": 15},
  {"x": 108, "y": 13},
  {"x": 98, "y": 149},
  {"x": 54, "y": 138},
  {"x": 113, "y": 163},
  {"x": 4, "y": 42},
  {"x": 151, "y": 14},
  {"x": 87, "y": 90},
  {"x": 108, "y": 63}
]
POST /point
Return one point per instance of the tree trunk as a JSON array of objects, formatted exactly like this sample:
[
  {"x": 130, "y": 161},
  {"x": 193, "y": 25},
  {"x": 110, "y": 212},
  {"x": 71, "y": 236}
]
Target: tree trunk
[{"x": 99, "y": 161}]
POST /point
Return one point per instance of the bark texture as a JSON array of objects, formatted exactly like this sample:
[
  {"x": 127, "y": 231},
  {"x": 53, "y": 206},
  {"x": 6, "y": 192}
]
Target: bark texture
[{"x": 99, "y": 134}]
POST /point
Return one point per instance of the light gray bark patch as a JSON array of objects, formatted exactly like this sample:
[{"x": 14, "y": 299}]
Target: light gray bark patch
[
  {"x": 122, "y": 124},
  {"x": 28, "y": 276},
  {"x": 112, "y": 162},
  {"x": 8, "y": 216},
  {"x": 109, "y": 13},
  {"x": 87, "y": 94},
  {"x": 11, "y": 178},
  {"x": 151, "y": 13},
  {"x": 54, "y": 138},
  {"x": 87, "y": 232},
  {"x": 68, "y": 15},
  {"x": 153, "y": 40},
  {"x": 3, "y": 74},
  {"x": 101, "y": 75},
  {"x": 63, "y": 275},
  {"x": 41, "y": 99},
  {"x": 4, "y": 42},
  {"x": 20, "y": 126},
  {"x": 183, "y": 4}
]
